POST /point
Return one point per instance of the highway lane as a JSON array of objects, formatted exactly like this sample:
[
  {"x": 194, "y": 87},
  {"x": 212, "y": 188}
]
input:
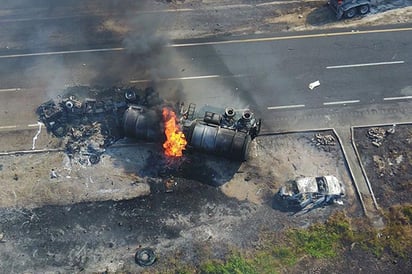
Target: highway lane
[
  {"x": 283, "y": 69},
  {"x": 269, "y": 75}
]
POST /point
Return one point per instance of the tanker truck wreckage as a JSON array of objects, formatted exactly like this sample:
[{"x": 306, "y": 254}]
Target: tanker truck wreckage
[{"x": 91, "y": 119}]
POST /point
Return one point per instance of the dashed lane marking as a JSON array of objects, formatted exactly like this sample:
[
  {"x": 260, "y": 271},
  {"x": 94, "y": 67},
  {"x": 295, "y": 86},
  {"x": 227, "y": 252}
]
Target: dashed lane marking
[
  {"x": 285, "y": 107},
  {"x": 9, "y": 89},
  {"x": 341, "y": 102},
  {"x": 397, "y": 98},
  {"x": 189, "y": 78},
  {"x": 366, "y": 65}
]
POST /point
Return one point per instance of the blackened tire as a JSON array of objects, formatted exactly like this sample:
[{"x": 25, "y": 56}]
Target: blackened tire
[
  {"x": 94, "y": 159},
  {"x": 364, "y": 9},
  {"x": 145, "y": 257},
  {"x": 130, "y": 96},
  {"x": 350, "y": 13}
]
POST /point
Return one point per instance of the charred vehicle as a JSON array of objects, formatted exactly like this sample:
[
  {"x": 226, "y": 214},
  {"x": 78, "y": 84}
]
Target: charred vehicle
[
  {"x": 306, "y": 193},
  {"x": 349, "y": 8}
]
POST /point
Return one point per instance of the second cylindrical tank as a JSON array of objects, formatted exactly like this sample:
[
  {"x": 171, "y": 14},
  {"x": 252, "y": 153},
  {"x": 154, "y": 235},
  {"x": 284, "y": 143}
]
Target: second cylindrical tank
[{"x": 217, "y": 140}]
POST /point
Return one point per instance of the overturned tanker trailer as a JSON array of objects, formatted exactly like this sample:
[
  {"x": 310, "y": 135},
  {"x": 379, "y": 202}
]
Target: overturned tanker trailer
[
  {"x": 228, "y": 134},
  {"x": 223, "y": 134},
  {"x": 93, "y": 123}
]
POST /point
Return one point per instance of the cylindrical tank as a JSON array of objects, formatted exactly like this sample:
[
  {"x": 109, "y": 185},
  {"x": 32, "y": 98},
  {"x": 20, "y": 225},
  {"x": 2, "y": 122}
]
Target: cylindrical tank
[
  {"x": 141, "y": 123},
  {"x": 220, "y": 141}
]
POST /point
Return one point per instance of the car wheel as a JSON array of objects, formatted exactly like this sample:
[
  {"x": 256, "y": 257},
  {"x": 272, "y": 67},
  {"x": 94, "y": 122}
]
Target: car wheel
[
  {"x": 350, "y": 13},
  {"x": 364, "y": 9}
]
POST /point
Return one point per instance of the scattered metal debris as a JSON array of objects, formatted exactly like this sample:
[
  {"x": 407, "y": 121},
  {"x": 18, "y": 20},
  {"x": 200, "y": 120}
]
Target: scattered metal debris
[
  {"x": 314, "y": 85},
  {"x": 53, "y": 174},
  {"x": 87, "y": 125},
  {"x": 377, "y": 134},
  {"x": 323, "y": 141},
  {"x": 169, "y": 185},
  {"x": 145, "y": 257}
]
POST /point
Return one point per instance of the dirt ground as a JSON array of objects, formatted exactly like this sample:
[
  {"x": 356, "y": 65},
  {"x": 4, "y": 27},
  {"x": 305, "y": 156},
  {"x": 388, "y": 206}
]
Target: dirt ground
[
  {"x": 260, "y": 17},
  {"x": 388, "y": 166},
  {"x": 213, "y": 204}
]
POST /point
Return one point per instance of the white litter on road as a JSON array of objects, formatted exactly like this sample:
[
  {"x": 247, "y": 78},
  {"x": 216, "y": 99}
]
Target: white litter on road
[
  {"x": 35, "y": 136},
  {"x": 314, "y": 85}
]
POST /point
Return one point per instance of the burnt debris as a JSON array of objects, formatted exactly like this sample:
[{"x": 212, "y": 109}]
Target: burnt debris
[
  {"x": 377, "y": 135},
  {"x": 90, "y": 119}
]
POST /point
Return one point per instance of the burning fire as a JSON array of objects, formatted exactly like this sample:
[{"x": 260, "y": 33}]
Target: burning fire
[{"x": 175, "y": 139}]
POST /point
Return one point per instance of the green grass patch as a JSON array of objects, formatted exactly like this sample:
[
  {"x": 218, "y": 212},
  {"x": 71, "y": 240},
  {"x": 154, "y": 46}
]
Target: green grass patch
[
  {"x": 236, "y": 264},
  {"x": 322, "y": 241},
  {"x": 279, "y": 251}
]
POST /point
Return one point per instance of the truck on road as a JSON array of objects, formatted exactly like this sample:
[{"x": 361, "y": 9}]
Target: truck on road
[{"x": 349, "y": 8}]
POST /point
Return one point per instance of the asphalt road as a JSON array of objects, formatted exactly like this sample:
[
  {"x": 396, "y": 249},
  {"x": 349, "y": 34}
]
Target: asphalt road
[
  {"x": 270, "y": 75},
  {"x": 46, "y": 47}
]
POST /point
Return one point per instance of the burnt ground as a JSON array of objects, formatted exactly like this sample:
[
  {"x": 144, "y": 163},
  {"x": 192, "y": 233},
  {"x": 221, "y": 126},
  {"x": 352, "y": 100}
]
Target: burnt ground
[
  {"x": 213, "y": 206},
  {"x": 192, "y": 220},
  {"x": 93, "y": 217},
  {"x": 388, "y": 166}
]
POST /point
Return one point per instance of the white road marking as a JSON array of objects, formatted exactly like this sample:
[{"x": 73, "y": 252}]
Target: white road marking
[
  {"x": 397, "y": 98},
  {"x": 36, "y": 136},
  {"x": 9, "y": 89},
  {"x": 60, "y": 52},
  {"x": 285, "y": 107},
  {"x": 189, "y": 78},
  {"x": 317, "y": 35},
  {"x": 341, "y": 102},
  {"x": 252, "y": 40},
  {"x": 366, "y": 65},
  {"x": 7, "y": 127},
  {"x": 38, "y": 124},
  {"x": 35, "y": 125}
]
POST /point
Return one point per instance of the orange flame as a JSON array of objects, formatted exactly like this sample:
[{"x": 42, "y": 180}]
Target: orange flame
[{"x": 175, "y": 139}]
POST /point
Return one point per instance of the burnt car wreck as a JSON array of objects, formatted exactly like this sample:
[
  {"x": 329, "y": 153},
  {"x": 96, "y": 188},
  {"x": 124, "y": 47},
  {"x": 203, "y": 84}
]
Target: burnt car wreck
[
  {"x": 99, "y": 117},
  {"x": 307, "y": 193}
]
